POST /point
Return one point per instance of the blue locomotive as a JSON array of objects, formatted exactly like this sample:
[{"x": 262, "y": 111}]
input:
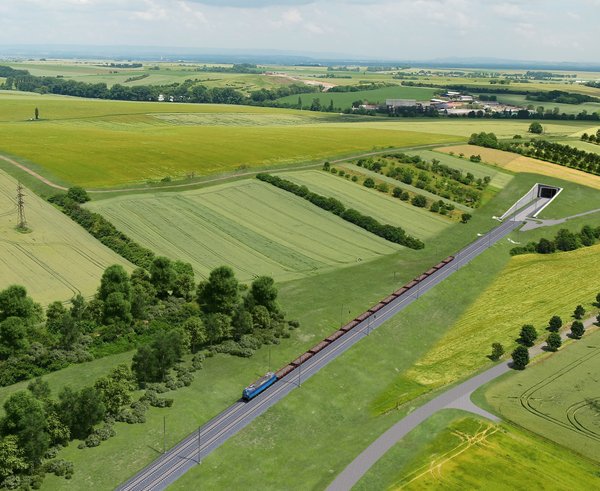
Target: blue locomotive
[{"x": 259, "y": 386}]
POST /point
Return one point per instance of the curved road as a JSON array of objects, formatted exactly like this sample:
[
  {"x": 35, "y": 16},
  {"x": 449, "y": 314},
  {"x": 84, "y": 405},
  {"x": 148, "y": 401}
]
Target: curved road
[
  {"x": 189, "y": 452},
  {"x": 458, "y": 398}
]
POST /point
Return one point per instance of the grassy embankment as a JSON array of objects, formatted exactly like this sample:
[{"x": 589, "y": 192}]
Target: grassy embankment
[
  {"x": 456, "y": 450},
  {"x": 56, "y": 259},
  {"x": 556, "y": 397}
]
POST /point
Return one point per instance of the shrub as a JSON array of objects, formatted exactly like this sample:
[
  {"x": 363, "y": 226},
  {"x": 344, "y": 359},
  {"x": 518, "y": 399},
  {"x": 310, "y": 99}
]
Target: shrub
[
  {"x": 382, "y": 187},
  {"x": 369, "y": 183},
  {"x": 497, "y": 351},
  {"x": 465, "y": 217},
  {"x": 419, "y": 201}
]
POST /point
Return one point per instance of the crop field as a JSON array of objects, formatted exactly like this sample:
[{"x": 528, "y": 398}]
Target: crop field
[
  {"x": 456, "y": 450},
  {"x": 251, "y": 226},
  {"x": 518, "y": 163},
  {"x": 123, "y": 143},
  {"x": 57, "y": 259},
  {"x": 416, "y": 221},
  {"x": 556, "y": 397},
  {"x": 524, "y": 286},
  {"x": 344, "y": 100}
]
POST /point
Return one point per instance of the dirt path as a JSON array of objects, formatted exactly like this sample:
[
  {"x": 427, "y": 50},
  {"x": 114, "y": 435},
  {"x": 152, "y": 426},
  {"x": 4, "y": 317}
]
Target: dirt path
[
  {"x": 207, "y": 181},
  {"x": 33, "y": 173}
]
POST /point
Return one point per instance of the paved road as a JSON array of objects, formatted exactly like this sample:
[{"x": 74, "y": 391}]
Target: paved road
[
  {"x": 186, "y": 454},
  {"x": 458, "y": 398},
  {"x": 536, "y": 222}
]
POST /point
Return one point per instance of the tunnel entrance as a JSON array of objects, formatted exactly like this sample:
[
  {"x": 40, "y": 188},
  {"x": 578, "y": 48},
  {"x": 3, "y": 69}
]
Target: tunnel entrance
[{"x": 547, "y": 191}]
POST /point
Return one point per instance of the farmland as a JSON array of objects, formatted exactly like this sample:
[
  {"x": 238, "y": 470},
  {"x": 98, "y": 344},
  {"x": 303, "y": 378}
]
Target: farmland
[
  {"x": 415, "y": 221},
  {"x": 520, "y": 100},
  {"x": 246, "y": 224},
  {"x": 57, "y": 259},
  {"x": 518, "y": 163},
  {"x": 523, "y": 284},
  {"x": 121, "y": 143},
  {"x": 456, "y": 450},
  {"x": 557, "y": 397}
]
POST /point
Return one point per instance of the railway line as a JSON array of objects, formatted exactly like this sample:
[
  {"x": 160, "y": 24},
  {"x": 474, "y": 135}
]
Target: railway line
[{"x": 190, "y": 451}]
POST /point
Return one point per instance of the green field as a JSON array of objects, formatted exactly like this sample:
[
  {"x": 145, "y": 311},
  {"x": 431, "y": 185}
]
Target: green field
[
  {"x": 255, "y": 228},
  {"x": 57, "y": 259},
  {"x": 344, "y": 100},
  {"x": 416, "y": 221},
  {"x": 581, "y": 145},
  {"x": 556, "y": 397},
  {"x": 102, "y": 143},
  {"x": 456, "y": 450}
]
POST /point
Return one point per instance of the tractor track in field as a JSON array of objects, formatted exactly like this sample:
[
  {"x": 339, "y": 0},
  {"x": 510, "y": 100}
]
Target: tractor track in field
[{"x": 225, "y": 178}]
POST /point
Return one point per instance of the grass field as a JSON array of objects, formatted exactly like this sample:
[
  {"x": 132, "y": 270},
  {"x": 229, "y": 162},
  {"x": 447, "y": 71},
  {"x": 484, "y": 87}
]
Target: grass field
[
  {"x": 455, "y": 450},
  {"x": 518, "y": 163},
  {"x": 581, "y": 145},
  {"x": 344, "y": 100},
  {"x": 57, "y": 259},
  {"x": 251, "y": 226},
  {"x": 416, "y": 221},
  {"x": 556, "y": 397},
  {"x": 102, "y": 143}
]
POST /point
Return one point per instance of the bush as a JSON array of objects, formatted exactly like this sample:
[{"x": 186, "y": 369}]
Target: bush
[
  {"x": 354, "y": 178},
  {"x": 60, "y": 468},
  {"x": 383, "y": 187},
  {"x": 497, "y": 351},
  {"x": 369, "y": 183},
  {"x": 419, "y": 201},
  {"x": 465, "y": 217}
]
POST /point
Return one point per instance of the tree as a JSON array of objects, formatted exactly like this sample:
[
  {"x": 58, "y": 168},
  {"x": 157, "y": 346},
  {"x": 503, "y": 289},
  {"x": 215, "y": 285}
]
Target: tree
[
  {"x": 80, "y": 411},
  {"x": 316, "y": 105},
  {"x": 520, "y": 357},
  {"x": 39, "y": 388},
  {"x": 184, "y": 285},
  {"x": 263, "y": 292},
  {"x": 577, "y": 329},
  {"x": 114, "y": 280},
  {"x": 579, "y": 312},
  {"x": 25, "y": 418},
  {"x": 465, "y": 217},
  {"x": 12, "y": 459},
  {"x": 13, "y": 336},
  {"x": 220, "y": 294},
  {"x": 566, "y": 240},
  {"x": 528, "y": 335},
  {"x": 78, "y": 194},
  {"x": 54, "y": 316},
  {"x": 162, "y": 276},
  {"x": 196, "y": 333},
  {"x": 69, "y": 331},
  {"x": 553, "y": 341},
  {"x": 555, "y": 323},
  {"x": 36, "y": 113},
  {"x": 598, "y": 300},
  {"x": 114, "y": 390},
  {"x": 117, "y": 309},
  {"x": 14, "y": 302},
  {"x": 536, "y": 128},
  {"x": 242, "y": 323},
  {"x": 497, "y": 351},
  {"x": 545, "y": 246},
  {"x": 261, "y": 317},
  {"x": 143, "y": 365},
  {"x": 152, "y": 362},
  {"x": 218, "y": 327}
]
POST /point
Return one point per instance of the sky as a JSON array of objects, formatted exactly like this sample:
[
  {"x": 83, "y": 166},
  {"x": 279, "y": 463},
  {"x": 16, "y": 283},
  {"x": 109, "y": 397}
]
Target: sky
[{"x": 541, "y": 30}]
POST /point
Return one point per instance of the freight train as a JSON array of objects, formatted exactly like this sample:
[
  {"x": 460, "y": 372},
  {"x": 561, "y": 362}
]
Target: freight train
[{"x": 269, "y": 379}]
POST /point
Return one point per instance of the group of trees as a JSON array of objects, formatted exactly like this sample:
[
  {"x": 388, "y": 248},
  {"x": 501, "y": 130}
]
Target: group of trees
[
  {"x": 591, "y": 138},
  {"x": 386, "y": 231},
  {"x": 564, "y": 240},
  {"x": 544, "y": 150},
  {"x": 434, "y": 177},
  {"x": 528, "y": 336}
]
